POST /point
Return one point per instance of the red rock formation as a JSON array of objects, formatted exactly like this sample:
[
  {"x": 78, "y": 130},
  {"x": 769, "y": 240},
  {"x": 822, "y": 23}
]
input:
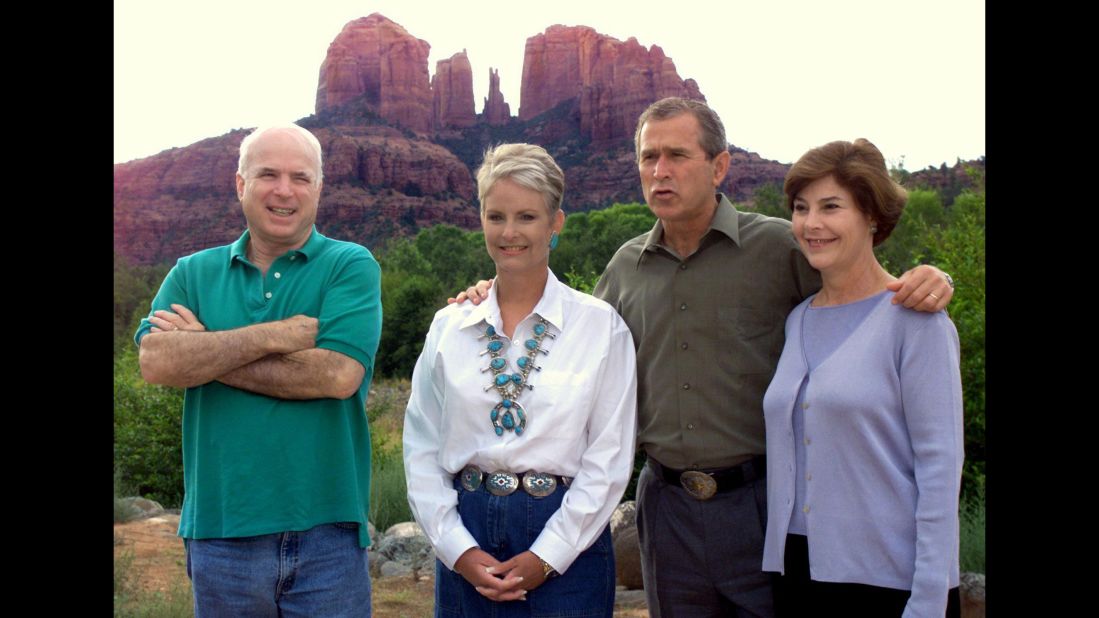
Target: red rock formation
[
  {"x": 496, "y": 111},
  {"x": 452, "y": 87},
  {"x": 747, "y": 172},
  {"x": 614, "y": 80},
  {"x": 375, "y": 58}
]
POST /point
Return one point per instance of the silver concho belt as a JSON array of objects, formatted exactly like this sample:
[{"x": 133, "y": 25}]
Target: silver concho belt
[{"x": 502, "y": 483}]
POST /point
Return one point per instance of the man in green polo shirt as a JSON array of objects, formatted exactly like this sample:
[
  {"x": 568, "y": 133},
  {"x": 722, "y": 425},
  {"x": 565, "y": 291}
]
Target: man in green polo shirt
[{"x": 274, "y": 338}]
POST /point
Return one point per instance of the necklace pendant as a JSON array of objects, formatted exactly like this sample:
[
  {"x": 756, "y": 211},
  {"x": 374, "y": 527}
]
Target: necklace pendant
[{"x": 508, "y": 415}]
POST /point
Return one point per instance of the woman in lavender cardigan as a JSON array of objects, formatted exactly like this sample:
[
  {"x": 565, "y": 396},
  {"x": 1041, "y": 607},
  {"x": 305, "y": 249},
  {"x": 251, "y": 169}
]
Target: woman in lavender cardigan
[{"x": 864, "y": 414}]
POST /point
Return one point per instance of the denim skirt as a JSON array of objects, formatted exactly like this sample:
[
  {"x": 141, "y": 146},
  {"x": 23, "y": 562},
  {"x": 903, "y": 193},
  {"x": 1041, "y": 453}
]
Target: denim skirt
[{"x": 508, "y": 525}]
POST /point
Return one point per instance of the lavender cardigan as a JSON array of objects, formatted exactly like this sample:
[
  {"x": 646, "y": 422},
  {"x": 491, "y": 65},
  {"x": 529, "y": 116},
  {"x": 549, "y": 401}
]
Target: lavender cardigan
[{"x": 884, "y": 424}]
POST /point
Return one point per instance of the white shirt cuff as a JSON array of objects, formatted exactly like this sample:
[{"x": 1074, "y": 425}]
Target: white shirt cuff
[
  {"x": 453, "y": 544},
  {"x": 554, "y": 550}
]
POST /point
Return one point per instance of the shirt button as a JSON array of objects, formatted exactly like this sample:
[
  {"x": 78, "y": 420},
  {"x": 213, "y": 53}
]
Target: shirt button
[
  {"x": 808, "y": 477},
  {"x": 683, "y": 345},
  {"x": 805, "y": 406},
  {"x": 686, "y": 386},
  {"x": 806, "y": 509},
  {"x": 268, "y": 295},
  {"x": 293, "y": 257},
  {"x": 683, "y": 266},
  {"x": 278, "y": 275},
  {"x": 807, "y": 441},
  {"x": 683, "y": 307},
  {"x": 690, "y": 425}
]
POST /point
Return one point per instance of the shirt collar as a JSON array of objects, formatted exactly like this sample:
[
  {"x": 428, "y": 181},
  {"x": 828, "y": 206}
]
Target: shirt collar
[
  {"x": 548, "y": 307},
  {"x": 239, "y": 249},
  {"x": 724, "y": 221}
]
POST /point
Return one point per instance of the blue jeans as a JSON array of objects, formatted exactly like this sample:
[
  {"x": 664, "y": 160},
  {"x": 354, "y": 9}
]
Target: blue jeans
[
  {"x": 508, "y": 525},
  {"x": 319, "y": 572}
]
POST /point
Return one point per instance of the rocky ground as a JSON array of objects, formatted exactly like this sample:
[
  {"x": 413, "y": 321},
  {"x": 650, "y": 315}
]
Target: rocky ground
[
  {"x": 149, "y": 548},
  {"x": 156, "y": 558}
]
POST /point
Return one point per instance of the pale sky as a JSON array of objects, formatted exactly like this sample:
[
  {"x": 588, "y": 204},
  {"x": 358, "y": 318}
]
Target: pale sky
[{"x": 784, "y": 75}]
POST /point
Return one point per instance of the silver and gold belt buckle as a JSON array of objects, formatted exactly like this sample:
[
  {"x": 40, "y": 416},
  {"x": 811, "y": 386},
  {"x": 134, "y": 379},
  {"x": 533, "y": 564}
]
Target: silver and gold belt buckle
[
  {"x": 700, "y": 485},
  {"x": 539, "y": 484},
  {"x": 471, "y": 478},
  {"x": 501, "y": 483}
]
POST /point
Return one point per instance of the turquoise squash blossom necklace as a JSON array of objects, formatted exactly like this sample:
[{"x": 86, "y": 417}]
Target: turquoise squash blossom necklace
[{"x": 508, "y": 414}]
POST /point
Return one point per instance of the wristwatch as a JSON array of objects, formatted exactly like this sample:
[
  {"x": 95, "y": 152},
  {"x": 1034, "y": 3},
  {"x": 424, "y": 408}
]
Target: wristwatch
[{"x": 547, "y": 569}]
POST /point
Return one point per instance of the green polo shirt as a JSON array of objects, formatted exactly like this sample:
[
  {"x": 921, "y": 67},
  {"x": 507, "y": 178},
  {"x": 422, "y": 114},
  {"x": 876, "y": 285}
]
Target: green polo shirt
[
  {"x": 709, "y": 329},
  {"x": 254, "y": 464}
]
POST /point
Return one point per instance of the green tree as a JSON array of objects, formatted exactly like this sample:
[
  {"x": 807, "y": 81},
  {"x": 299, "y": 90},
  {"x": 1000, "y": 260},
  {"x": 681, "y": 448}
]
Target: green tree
[
  {"x": 590, "y": 239},
  {"x": 134, "y": 288},
  {"x": 456, "y": 257},
  {"x": 960, "y": 250},
  {"x": 769, "y": 199},
  {"x": 910, "y": 243},
  {"x": 148, "y": 436},
  {"x": 409, "y": 301}
]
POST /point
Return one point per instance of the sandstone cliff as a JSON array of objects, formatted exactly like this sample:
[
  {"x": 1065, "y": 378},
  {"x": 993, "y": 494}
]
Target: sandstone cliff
[
  {"x": 379, "y": 61},
  {"x": 614, "y": 80},
  {"x": 452, "y": 87}
]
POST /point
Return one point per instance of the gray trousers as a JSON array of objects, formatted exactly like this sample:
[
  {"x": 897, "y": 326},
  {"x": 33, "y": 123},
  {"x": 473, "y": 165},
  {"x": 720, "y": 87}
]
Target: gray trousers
[{"x": 703, "y": 558}]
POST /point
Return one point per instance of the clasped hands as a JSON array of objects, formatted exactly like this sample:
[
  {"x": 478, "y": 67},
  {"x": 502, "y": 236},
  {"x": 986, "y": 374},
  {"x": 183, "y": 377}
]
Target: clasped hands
[{"x": 501, "y": 581}]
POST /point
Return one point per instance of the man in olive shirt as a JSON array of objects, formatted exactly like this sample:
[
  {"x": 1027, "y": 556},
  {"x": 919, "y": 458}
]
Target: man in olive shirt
[{"x": 706, "y": 294}]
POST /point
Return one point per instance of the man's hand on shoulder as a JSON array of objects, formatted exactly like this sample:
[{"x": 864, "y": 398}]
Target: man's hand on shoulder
[
  {"x": 923, "y": 288},
  {"x": 474, "y": 294}
]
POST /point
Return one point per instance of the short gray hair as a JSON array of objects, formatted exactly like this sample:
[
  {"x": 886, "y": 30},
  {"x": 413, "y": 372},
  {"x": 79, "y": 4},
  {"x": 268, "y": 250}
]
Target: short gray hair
[
  {"x": 528, "y": 166},
  {"x": 712, "y": 133},
  {"x": 305, "y": 135}
]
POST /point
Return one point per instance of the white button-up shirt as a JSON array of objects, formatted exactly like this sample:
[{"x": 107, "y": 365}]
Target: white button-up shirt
[{"x": 581, "y": 417}]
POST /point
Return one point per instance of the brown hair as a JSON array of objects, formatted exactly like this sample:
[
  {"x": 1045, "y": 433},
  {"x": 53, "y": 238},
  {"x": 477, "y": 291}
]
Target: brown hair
[
  {"x": 711, "y": 132},
  {"x": 858, "y": 167}
]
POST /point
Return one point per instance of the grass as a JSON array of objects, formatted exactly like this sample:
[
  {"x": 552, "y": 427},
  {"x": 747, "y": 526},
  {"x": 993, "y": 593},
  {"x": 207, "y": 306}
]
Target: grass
[
  {"x": 131, "y": 601},
  {"x": 385, "y": 410},
  {"x": 972, "y": 531},
  {"x": 388, "y": 497}
]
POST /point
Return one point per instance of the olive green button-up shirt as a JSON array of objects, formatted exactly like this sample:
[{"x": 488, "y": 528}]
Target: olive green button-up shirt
[{"x": 709, "y": 330}]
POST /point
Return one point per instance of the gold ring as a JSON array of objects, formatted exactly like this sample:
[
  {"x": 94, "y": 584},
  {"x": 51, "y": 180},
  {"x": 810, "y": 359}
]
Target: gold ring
[{"x": 932, "y": 295}]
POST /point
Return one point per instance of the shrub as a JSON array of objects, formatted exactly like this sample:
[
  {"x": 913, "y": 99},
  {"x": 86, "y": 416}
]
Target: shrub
[{"x": 148, "y": 434}]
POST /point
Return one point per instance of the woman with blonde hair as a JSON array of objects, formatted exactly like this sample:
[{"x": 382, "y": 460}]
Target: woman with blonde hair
[{"x": 519, "y": 434}]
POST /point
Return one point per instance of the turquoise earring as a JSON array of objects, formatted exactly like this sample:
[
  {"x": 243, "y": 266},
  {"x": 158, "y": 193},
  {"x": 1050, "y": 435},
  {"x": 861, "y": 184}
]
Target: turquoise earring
[{"x": 553, "y": 241}]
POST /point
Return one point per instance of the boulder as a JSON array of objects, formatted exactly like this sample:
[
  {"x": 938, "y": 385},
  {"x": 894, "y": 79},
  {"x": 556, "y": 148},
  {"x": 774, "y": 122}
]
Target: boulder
[{"x": 627, "y": 559}]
